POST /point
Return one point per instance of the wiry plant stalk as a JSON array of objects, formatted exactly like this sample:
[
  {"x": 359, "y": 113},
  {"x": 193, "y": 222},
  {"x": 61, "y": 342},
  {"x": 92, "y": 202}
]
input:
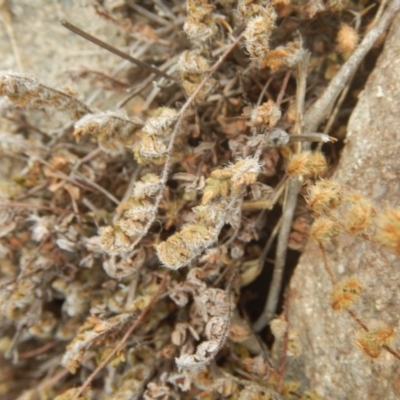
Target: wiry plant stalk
[{"x": 114, "y": 50}]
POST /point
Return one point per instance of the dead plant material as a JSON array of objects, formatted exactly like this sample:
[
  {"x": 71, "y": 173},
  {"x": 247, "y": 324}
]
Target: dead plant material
[{"x": 185, "y": 172}]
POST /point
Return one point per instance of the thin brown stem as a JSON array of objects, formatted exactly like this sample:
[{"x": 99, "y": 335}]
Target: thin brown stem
[
  {"x": 151, "y": 16},
  {"x": 293, "y": 188},
  {"x": 143, "y": 85},
  {"x": 260, "y": 147},
  {"x": 40, "y": 388},
  {"x": 88, "y": 157},
  {"x": 282, "y": 369},
  {"x": 326, "y": 264},
  {"x": 283, "y": 88},
  {"x": 392, "y": 352},
  {"x": 32, "y": 206},
  {"x": 357, "y": 320},
  {"x": 263, "y": 91},
  {"x": 283, "y": 236},
  {"x": 114, "y": 50},
  {"x": 39, "y": 350}
]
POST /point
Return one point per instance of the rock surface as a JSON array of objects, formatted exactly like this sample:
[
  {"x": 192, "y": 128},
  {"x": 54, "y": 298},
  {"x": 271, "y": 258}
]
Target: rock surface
[
  {"x": 45, "y": 48},
  {"x": 48, "y": 51},
  {"x": 330, "y": 362}
]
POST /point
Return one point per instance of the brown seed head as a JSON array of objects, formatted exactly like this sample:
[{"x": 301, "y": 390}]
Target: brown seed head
[
  {"x": 191, "y": 62},
  {"x": 388, "y": 229},
  {"x": 359, "y": 214},
  {"x": 258, "y": 32},
  {"x": 199, "y": 24},
  {"x": 267, "y": 114},
  {"x": 114, "y": 241},
  {"x": 182, "y": 247},
  {"x": 215, "y": 188},
  {"x": 371, "y": 342},
  {"x": 345, "y": 293},
  {"x": 307, "y": 163},
  {"x": 324, "y": 196},
  {"x": 347, "y": 39},
  {"x": 324, "y": 229},
  {"x": 283, "y": 56}
]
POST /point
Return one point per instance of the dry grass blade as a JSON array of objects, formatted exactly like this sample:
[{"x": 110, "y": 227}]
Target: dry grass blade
[{"x": 115, "y": 51}]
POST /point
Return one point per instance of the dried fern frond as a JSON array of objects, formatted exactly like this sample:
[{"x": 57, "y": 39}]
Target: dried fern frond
[
  {"x": 133, "y": 215},
  {"x": 193, "y": 67},
  {"x": 220, "y": 192},
  {"x": 113, "y": 130},
  {"x": 260, "y": 21},
  {"x": 215, "y": 306},
  {"x": 28, "y": 91},
  {"x": 153, "y": 139},
  {"x": 200, "y": 24},
  {"x": 91, "y": 331},
  {"x": 182, "y": 247}
]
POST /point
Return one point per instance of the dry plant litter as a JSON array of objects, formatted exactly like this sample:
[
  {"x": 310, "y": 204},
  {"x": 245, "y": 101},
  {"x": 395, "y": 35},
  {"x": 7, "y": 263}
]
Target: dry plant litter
[{"x": 129, "y": 234}]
